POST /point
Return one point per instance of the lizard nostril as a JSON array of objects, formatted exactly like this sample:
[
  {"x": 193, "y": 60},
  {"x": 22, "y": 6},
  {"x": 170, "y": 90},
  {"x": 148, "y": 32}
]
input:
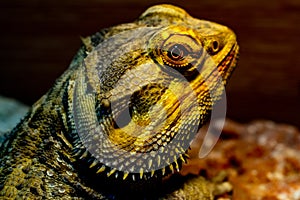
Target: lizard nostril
[{"x": 215, "y": 46}]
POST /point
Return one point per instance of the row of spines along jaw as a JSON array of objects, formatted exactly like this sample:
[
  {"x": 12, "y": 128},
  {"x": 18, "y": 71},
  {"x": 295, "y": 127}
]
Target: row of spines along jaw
[{"x": 102, "y": 169}]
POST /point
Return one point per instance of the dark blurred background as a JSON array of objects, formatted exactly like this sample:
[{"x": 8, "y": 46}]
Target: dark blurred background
[{"x": 39, "y": 38}]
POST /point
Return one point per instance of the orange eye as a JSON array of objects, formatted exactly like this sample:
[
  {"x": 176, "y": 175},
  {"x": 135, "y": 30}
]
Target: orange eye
[
  {"x": 176, "y": 55},
  {"x": 177, "y": 52}
]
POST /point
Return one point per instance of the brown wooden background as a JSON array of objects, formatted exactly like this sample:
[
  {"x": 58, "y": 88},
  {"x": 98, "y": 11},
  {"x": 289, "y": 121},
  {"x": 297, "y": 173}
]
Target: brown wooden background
[{"x": 38, "y": 39}]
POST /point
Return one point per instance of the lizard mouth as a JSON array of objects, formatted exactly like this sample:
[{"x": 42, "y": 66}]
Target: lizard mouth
[{"x": 229, "y": 62}]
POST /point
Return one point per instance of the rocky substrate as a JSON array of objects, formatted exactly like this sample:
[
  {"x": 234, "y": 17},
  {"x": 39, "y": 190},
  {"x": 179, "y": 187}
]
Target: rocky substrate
[{"x": 261, "y": 160}]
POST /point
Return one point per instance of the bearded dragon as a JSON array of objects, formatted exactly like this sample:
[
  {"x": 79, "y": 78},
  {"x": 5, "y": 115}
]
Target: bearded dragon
[{"x": 118, "y": 122}]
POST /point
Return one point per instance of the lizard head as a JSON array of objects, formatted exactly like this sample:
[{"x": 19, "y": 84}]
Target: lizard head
[{"x": 144, "y": 89}]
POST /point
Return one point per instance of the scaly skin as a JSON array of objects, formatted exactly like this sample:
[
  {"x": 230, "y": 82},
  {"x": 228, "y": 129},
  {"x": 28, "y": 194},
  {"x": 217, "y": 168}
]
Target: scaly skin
[{"x": 117, "y": 124}]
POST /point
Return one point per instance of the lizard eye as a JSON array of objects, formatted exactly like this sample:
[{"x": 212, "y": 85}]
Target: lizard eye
[
  {"x": 179, "y": 49},
  {"x": 177, "y": 52},
  {"x": 176, "y": 55}
]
